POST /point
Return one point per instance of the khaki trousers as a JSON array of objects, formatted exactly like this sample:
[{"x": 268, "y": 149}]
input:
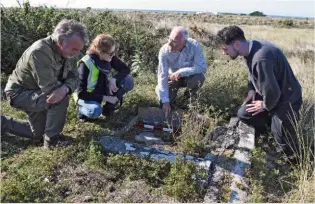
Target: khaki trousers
[{"x": 43, "y": 118}]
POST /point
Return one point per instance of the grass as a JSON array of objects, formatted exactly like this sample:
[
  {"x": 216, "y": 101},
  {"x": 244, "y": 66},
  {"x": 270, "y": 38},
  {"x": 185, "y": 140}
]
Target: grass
[
  {"x": 274, "y": 178},
  {"x": 81, "y": 173},
  {"x": 163, "y": 19},
  {"x": 225, "y": 192}
]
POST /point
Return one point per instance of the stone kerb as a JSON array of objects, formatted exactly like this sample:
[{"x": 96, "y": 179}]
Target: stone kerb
[{"x": 231, "y": 145}]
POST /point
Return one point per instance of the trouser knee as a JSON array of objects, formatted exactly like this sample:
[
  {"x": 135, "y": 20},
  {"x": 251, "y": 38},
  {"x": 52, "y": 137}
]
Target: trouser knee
[
  {"x": 91, "y": 109},
  {"x": 126, "y": 85},
  {"x": 242, "y": 114},
  {"x": 195, "y": 81}
]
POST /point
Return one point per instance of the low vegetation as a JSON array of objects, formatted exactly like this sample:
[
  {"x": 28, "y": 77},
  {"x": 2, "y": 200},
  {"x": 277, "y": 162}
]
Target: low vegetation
[{"x": 83, "y": 173}]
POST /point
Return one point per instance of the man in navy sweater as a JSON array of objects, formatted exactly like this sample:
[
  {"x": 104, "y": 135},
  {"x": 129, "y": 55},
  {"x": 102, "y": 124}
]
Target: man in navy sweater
[{"x": 274, "y": 94}]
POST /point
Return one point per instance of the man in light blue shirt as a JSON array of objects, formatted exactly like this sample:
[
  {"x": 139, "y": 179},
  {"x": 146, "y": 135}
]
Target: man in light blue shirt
[{"x": 181, "y": 64}]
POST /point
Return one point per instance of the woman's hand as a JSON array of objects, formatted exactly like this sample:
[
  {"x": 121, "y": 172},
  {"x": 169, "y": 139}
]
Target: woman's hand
[
  {"x": 112, "y": 86},
  {"x": 110, "y": 99}
]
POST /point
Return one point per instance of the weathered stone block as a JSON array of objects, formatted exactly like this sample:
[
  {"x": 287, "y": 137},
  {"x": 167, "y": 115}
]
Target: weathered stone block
[
  {"x": 243, "y": 128},
  {"x": 212, "y": 194},
  {"x": 149, "y": 138},
  {"x": 247, "y": 141},
  {"x": 233, "y": 122},
  {"x": 116, "y": 145},
  {"x": 242, "y": 162},
  {"x": 155, "y": 116}
]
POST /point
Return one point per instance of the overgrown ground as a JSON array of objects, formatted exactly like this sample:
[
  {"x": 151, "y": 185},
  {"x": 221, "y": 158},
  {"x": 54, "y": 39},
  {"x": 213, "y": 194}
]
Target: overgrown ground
[{"x": 80, "y": 173}]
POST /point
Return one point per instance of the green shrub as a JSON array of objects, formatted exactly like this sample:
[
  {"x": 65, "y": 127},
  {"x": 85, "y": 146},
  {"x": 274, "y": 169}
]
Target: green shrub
[
  {"x": 257, "y": 13},
  {"x": 95, "y": 157},
  {"x": 288, "y": 23},
  {"x": 180, "y": 183},
  {"x": 29, "y": 176},
  {"x": 139, "y": 168},
  {"x": 20, "y": 27}
]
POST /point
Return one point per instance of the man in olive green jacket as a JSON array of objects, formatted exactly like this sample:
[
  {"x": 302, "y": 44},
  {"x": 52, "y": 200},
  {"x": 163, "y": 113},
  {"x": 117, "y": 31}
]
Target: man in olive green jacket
[{"x": 40, "y": 84}]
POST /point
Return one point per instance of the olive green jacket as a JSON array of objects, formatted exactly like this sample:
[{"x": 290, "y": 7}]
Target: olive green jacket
[{"x": 41, "y": 67}]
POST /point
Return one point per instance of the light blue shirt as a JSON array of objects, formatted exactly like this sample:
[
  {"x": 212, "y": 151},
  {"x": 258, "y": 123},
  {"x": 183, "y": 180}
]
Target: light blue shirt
[{"x": 189, "y": 61}]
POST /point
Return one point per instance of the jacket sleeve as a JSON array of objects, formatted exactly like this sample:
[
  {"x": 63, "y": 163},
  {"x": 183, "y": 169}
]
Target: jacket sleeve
[
  {"x": 251, "y": 87},
  {"x": 162, "y": 87},
  {"x": 121, "y": 67},
  {"x": 199, "y": 64},
  {"x": 82, "y": 91},
  {"x": 267, "y": 83},
  {"x": 43, "y": 72}
]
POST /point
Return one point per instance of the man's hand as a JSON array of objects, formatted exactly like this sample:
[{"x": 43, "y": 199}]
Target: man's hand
[
  {"x": 166, "y": 108},
  {"x": 255, "y": 107},
  {"x": 57, "y": 95},
  {"x": 112, "y": 86},
  {"x": 250, "y": 96},
  {"x": 110, "y": 99},
  {"x": 175, "y": 76}
]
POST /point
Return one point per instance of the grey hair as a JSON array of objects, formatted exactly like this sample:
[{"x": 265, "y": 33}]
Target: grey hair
[
  {"x": 186, "y": 34},
  {"x": 67, "y": 28},
  {"x": 182, "y": 30}
]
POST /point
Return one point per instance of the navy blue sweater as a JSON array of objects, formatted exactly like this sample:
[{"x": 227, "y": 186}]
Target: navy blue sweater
[{"x": 270, "y": 75}]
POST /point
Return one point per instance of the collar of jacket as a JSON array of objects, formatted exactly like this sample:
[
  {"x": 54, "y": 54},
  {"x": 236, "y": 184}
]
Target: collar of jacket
[
  {"x": 251, "y": 52},
  {"x": 102, "y": 65},
  {"x": 53, "y": 46}
]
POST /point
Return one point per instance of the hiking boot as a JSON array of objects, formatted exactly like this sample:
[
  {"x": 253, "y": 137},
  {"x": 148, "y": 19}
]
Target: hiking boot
[
  {"x": 56, "y": 141},
  {"x": 4, "y": 127}
]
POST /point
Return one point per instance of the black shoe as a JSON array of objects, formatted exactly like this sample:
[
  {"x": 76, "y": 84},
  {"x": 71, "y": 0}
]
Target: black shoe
[
  {"x": 108, "y": 112},
  {"x": 4, "y": 127},
  {"x": 56, "y": 141},
  {"x": 82, "y": 118}
]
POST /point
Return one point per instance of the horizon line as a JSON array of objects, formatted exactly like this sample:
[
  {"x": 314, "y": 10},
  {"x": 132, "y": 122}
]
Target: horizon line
[{"x": 174, "y": 11}]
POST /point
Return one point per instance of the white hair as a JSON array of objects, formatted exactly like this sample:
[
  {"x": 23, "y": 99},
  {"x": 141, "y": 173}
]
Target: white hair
[
  {"x": 180, "y": 29},
  {"x": 67, "y": 28}
]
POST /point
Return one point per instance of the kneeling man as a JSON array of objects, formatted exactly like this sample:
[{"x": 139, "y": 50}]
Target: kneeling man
[{"x": 181, "y": 64}]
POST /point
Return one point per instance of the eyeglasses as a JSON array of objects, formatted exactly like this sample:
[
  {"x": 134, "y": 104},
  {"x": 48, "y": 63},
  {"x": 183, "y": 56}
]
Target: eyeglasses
[{"x": 109, "y": 53}]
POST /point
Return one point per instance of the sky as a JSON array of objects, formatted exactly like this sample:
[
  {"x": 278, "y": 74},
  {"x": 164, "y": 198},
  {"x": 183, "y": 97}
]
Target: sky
[{"x": 298, "y": 8}]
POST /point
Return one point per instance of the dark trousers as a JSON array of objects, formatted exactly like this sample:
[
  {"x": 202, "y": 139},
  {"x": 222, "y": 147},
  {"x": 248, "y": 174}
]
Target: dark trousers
[
  {"x": 124, "y": 86},
  {"x": 280, "y": 119},
  {"x": 192, "y": 84}
]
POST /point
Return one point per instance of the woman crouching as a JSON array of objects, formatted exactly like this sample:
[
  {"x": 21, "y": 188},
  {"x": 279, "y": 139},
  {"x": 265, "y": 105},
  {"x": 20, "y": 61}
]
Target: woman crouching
[{"x": 95, "y": 88}]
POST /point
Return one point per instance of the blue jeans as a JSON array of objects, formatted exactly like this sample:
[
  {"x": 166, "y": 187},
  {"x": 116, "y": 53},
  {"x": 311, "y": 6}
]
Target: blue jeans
[{"x": 93, "y": 109}]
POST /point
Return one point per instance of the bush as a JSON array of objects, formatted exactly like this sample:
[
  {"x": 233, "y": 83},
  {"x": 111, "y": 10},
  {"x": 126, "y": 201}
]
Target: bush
[
  {"x": 23, "y": 26},
  {"x": 30, "y": 175},
  {"x": 288, "y": 23},
  {"x": 257, "y": 13},
  {"x": 180, "y": 183},
  {"x": 139, "y": 168}
]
